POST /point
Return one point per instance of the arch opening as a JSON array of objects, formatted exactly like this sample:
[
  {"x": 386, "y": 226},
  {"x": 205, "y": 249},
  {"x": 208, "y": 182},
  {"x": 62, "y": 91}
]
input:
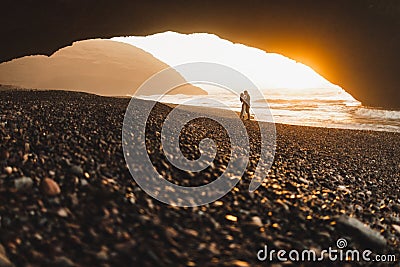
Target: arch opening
[{"x": 296, "y": 93}]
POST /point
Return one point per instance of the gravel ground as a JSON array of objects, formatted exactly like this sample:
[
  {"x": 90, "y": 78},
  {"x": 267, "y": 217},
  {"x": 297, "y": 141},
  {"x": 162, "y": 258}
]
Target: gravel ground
[{"x": 68, "y": 199}]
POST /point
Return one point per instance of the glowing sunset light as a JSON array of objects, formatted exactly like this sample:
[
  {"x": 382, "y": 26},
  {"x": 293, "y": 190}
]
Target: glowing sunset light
[{"x": 268, "y": 71}]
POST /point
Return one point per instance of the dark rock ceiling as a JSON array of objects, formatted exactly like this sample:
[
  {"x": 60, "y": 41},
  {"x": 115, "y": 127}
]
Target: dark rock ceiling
[{"x": 354, "y": 44}]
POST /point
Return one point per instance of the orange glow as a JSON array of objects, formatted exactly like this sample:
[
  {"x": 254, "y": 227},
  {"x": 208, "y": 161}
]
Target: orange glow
[{"x": 267, "y": 70}]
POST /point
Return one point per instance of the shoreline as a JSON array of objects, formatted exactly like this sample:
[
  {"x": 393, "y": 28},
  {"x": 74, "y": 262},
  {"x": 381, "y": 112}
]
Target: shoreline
[
  {"x": 288, "y": 117},
  {"x": 5, "y": 88},
  {"x": 223, "y": 112}
]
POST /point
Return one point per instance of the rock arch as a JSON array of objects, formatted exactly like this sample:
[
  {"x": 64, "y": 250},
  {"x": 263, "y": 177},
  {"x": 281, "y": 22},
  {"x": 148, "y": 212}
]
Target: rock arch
[{"x": 352, "y": 43}]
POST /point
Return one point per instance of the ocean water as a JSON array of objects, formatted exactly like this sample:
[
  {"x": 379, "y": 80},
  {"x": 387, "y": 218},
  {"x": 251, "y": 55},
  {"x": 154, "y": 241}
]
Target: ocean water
[{"x": 331, "y": 108}]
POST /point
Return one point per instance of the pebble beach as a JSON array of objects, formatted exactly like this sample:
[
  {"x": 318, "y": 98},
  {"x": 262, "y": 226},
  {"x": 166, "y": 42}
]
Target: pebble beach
[{"x": 67, "y": 197}]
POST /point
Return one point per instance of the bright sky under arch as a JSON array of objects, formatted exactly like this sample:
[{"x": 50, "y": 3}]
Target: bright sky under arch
[{"x": 267, "y": 70}]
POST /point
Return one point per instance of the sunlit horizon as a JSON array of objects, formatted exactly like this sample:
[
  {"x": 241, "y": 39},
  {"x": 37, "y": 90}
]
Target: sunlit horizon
[
  {"x": 296, "y": 94},
  {"x": 270, "y": 72}
]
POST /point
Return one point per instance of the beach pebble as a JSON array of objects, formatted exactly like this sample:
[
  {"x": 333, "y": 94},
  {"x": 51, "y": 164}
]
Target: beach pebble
[
  {"x": 62, "y": 213},
  {"x": 64, "y": 262},
  {"x": 359, "y": 230},
  {"x": 84, "y": 182},
  {"x": 239, "y": 263},
  {"x": 50, "y": 187},
  {"x": 76, "y": 170},
  {"x": 343, "y": 188},
  {"x": 396, "y": 207},
  {"x": 126, "y": 247},
  {"x": 2, "y": 250},
  {"x": 102, "y": 255},
  {"x": 4, "y": 155},
  {"x": 4, "y": 261},
  {"x": 23, "y": 183},
  {"x": 231, "y": 218},
  {"x": 27, "y": 147},
  {"x": 8, "y": 170},
  {"x": 396, "y": 227},
  {"x": 361, "y": 195},
  {"x": 257, "y": 221}
]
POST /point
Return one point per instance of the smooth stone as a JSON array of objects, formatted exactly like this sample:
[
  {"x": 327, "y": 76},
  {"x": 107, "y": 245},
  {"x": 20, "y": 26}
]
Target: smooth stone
[
  {"x": 102, "y": 255},
  {"x": 126, "y": 247},
  {"x": 62, "y": 213},
  {"x": 4, "y": 261},
  {"x": 361, "y": 195},
  {"x": 8, "y": 170},
  {"x": 396, "y": 227},
  {"x": 23, "y": 183},
  {"x": 257, "y": 221},
  {"x": 396, "y": 207},
  {"x": 239, "y": 263},
  {"x": 395, "y": 219},
  {"x": 76, "y": 170},
  {"x": 343, "y": 188},
  {"x": 5, "y": 155},
  {"x": 50, "y": 187},
  {"x": 84, "y": 182},
  {"x": 359, "y": 230},
  {"x": 64, "y": 262},
  {"x": 27, "y": 147}
]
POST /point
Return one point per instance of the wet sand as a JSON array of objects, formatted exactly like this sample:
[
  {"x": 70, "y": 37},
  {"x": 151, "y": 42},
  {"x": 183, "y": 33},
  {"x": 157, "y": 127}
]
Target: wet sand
[{"x": 90, "y": 212}]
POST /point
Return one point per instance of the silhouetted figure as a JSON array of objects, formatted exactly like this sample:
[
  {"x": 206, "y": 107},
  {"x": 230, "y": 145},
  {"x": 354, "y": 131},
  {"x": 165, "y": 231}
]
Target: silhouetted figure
[
  {"x": 243, "y": 109},
  {"x": 245, "y": 99}
]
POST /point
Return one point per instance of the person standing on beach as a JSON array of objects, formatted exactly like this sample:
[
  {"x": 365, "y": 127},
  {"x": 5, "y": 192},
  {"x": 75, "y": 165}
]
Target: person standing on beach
[
  {"x": 243, "y": 109},
  {"x": 245, "y": 99}
]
